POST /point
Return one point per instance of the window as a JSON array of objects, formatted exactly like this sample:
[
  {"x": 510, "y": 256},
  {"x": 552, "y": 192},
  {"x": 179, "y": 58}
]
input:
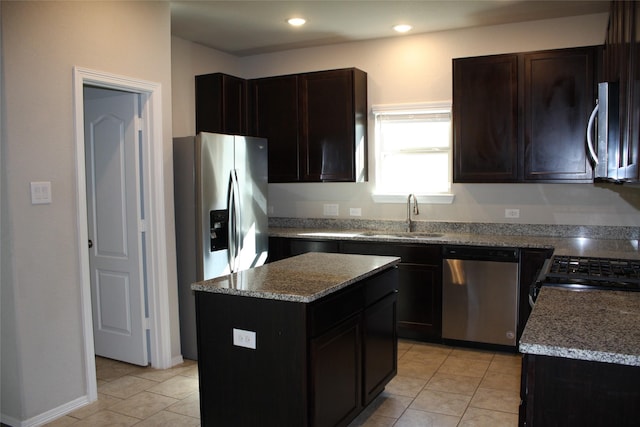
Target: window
[{"x": 413, "y": 151}]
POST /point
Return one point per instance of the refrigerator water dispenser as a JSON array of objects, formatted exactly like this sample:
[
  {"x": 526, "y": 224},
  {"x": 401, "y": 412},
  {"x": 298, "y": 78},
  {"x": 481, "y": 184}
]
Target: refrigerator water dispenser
[{"x": 219, "y": 229}]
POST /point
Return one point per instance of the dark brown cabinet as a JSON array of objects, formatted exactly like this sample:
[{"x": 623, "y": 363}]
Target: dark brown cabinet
[
  {"x": 485, "y": 117},
  {"x": 316, "y": 364},
  {"x": 622, "y": 65},
  {"x": 559, "y": 95},
  {"x": 523, "y": 117},
  {"x": 274, "y": 115},
  {"x": 316, "y": 124},
  {"x": 221, "y": 104},
  {"x": 419, "y": 286},
  {"x": 557, "y": 391},
  {"x": 419, "y": 300},
  {"x": 380, "y": 361},
  {"x": 419, "y": 312},
  {"x": 335, "y": 374}
]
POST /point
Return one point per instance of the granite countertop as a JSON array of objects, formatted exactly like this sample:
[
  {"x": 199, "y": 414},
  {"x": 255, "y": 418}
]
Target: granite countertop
[
  {"x": 626, "y": 248},
  {"x": 592, "y": 325},
  {"x": 303, "y": 278}
]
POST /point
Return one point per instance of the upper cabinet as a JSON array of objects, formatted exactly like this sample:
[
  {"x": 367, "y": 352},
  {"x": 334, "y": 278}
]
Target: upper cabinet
[
  {"x": 485, "y": 117},
  {"x": 523, "y": 117},
  {"x": 221, "y": 104},
  {"x": 274, "y": 114},
  {"x": 316, "y": 124},
  {"x": 622, "y": 65}
]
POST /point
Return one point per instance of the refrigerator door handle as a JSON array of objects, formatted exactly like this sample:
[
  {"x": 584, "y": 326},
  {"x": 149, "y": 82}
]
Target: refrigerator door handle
[
  {"x": 234, "y": 222},
  {"x": 231, "y": 224}
]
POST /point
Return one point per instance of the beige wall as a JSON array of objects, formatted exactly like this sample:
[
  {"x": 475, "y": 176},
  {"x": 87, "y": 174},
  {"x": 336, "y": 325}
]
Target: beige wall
[
  {"x": 418, "y": 69},
  {"x": 42, "y": 343},
  {"x": 188, "y": 60}
]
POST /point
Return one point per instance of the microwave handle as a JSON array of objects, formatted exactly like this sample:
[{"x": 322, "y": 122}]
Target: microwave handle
[{"x": 592, "y": 119}]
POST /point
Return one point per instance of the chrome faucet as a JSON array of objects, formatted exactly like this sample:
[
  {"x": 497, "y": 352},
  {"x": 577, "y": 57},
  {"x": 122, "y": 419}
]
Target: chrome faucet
[{"x": 415, "y": 210}]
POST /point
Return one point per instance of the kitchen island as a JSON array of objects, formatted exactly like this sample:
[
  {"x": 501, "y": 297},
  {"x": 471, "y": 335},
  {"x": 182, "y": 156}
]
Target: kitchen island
[
  {"x": 305, "y": 341},
  {"x": 581, "y": 364}
]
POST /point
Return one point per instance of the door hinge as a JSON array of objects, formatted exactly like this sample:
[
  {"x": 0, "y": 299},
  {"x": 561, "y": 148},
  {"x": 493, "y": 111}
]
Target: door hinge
[
  {"x": 147, "y": 324},
  {"x": 142, "y": 226},
  {"x": 138, "y": 124}
]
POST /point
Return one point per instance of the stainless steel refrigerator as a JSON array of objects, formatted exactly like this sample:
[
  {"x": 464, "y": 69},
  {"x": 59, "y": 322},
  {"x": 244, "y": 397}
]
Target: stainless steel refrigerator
[{"x": 220, "y": 191}]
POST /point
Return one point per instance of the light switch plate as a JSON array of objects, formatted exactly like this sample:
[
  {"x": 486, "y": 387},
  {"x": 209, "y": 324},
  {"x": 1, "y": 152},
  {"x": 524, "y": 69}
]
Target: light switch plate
[{"x": 40, "y": 192}]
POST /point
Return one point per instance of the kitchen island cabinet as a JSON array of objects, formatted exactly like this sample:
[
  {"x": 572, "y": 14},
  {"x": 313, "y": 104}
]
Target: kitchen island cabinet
[
  {"x": 419, "y": 278},
  {"x": 306, "y": 341},
  {"x": 582, "y": 359}
]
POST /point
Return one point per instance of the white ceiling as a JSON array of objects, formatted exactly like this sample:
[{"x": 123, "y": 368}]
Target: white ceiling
[{"x": 246, "y": 28}]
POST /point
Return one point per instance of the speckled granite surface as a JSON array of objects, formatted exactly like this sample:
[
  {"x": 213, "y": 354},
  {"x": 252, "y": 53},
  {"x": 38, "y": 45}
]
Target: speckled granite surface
[
  {"x": 600, "y": 326},
  {"x": 303, "y": 278},
  {"x": 626, "y": 248},
  {"x": 502, "y": 229}
]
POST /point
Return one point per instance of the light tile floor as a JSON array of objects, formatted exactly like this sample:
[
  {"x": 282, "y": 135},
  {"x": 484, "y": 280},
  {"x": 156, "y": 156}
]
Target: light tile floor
[
  {"x": 436, "y": 385},
  {"x": 443, "y": 386}
]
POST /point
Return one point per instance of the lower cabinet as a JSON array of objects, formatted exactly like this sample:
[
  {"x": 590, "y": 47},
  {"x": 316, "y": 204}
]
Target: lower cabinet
[
  {"x": 562, "y": 392},
  {"x": 380, "y": 354},
  {"x": 316, "y": 364},
  {"x": 419, "y": 286},
  {"x": 419, "y": 302},
  {"x": 335, "y": 374}
]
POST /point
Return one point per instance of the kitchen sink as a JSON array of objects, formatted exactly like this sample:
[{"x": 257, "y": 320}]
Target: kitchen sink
[{"x": 401, "y": 235}]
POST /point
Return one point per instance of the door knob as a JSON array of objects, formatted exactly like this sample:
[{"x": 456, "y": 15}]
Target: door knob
[{"x": 90, "y": 243}]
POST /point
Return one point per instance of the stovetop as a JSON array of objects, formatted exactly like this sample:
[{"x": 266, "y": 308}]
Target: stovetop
[{"x": 591, "y": 272}]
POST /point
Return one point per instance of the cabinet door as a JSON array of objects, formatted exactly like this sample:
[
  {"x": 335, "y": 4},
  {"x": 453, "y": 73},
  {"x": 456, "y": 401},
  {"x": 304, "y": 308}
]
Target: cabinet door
[
  {"x": 335, "y": 375},
  {"x": 485, "y": 119},
  {"x": 221, "y": 104},
  {"x": 420, "y": 301},
  {"x": 380, "y": 349},
  {"x": 332, "y": 124},
  {"x": 419, "y": 286},
  {"x": 558, "y": 96},
  {"x": 275, "y": 117}
]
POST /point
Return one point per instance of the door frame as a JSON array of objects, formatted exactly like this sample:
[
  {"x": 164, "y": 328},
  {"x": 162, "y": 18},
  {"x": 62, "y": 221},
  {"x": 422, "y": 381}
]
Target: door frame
[{"x": 153, "y": 162}]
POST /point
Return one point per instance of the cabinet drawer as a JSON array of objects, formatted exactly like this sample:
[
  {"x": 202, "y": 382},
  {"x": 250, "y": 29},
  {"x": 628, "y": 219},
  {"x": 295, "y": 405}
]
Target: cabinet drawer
[
  {"x": 333, "y": 309},
  {"x": 418, "y": 254},
  {"x": 380, "y": 285}
]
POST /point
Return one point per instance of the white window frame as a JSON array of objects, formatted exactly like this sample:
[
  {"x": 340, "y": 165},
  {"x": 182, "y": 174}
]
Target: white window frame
[{"x": 415, "y": 108}]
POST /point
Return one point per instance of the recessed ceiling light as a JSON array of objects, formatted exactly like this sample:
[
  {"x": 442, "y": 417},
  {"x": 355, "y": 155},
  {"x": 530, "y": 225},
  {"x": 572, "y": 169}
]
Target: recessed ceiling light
[
  {"x": 402, "y": 28},
  {"x": 296, "y": 22}
]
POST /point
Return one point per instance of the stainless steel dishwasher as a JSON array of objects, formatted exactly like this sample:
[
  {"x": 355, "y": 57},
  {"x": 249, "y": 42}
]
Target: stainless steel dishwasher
[{"x": 480, "y": 294}]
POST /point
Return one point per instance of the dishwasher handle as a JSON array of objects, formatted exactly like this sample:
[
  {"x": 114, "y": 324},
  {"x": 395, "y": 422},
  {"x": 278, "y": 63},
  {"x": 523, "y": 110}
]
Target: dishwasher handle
[{"x": 481, "y": 253}]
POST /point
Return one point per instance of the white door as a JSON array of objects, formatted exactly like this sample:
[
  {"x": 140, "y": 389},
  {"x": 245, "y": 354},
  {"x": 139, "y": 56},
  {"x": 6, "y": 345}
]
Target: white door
[{"x": 115, "y": 224}]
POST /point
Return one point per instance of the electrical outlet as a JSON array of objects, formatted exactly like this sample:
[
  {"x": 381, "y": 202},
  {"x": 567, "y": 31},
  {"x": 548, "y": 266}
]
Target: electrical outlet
[
  {"x": 355, "y": 211},
  {"x": 330, "y": 210},
  {"x": 512, "y": 213},
  {"x": 242, "y": 338}
]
